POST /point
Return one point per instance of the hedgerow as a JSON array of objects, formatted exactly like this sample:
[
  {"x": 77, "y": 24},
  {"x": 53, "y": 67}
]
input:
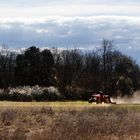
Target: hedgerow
[{"x": 27, "y": 93}]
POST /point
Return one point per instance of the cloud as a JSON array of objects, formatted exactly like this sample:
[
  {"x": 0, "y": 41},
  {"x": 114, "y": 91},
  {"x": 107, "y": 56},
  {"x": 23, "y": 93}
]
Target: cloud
[
  {"x": 83, "y": 32},
  {"x": 64, "y": 23},
  {"x": 66, "y": 9},
  {"x": 42, "y": 2}
]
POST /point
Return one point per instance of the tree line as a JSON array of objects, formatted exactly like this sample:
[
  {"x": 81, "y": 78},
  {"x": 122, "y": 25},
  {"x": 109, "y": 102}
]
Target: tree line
[{"x": 73, "y": 71}]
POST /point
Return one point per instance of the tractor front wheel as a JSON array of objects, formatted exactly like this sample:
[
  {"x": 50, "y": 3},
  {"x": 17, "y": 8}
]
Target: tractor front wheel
[{"x": 90, "y": 101}]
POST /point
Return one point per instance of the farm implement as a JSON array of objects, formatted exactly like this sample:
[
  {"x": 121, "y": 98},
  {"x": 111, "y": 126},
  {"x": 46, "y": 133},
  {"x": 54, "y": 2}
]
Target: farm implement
[{"x": 100, "y": 97}]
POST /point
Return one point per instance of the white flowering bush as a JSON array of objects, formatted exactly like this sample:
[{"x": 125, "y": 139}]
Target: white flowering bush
[
  {"x": 53, "y": 93},
  {"x": 27, "y": 93}
]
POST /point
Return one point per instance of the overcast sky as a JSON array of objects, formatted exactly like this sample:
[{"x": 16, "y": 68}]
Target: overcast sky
[{"x": 63, "y": 23}]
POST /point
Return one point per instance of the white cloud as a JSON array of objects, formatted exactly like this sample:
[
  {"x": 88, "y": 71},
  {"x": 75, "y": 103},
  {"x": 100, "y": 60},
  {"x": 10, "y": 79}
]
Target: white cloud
[
  {"x": 64, "y": 23},
  {"x": 69, "y": 10},
  {"x": 76, "y": 30},
  {"x": 83, "y": 32},
  {"x": 56, "y": 2}
]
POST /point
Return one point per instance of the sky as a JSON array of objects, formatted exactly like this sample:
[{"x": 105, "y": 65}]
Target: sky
[{"x": 74, "y": 23}]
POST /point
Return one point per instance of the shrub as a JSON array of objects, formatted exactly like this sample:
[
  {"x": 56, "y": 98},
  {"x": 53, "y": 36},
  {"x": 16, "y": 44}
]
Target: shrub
[{"x": 28, "y": 93}]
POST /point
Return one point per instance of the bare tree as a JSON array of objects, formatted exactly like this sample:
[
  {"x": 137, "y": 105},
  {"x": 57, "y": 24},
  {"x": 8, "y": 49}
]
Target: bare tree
[{"x": 106, "y": 49}]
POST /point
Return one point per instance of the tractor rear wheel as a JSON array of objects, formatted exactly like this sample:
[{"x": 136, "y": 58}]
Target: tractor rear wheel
[
  {"x": 98, "y": 101},
  {"x": 107, "y": 100}
]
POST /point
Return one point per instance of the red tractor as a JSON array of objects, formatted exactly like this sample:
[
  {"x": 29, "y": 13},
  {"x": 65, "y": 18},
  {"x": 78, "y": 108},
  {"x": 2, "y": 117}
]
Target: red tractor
[{"x": 100, "y": 97}]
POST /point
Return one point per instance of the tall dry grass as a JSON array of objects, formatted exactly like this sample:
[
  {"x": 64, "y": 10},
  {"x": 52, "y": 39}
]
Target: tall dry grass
[{"x": 47, "y": 123}]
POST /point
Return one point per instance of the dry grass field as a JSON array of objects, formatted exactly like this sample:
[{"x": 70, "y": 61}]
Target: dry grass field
[{"x": 68, "y": 121}]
